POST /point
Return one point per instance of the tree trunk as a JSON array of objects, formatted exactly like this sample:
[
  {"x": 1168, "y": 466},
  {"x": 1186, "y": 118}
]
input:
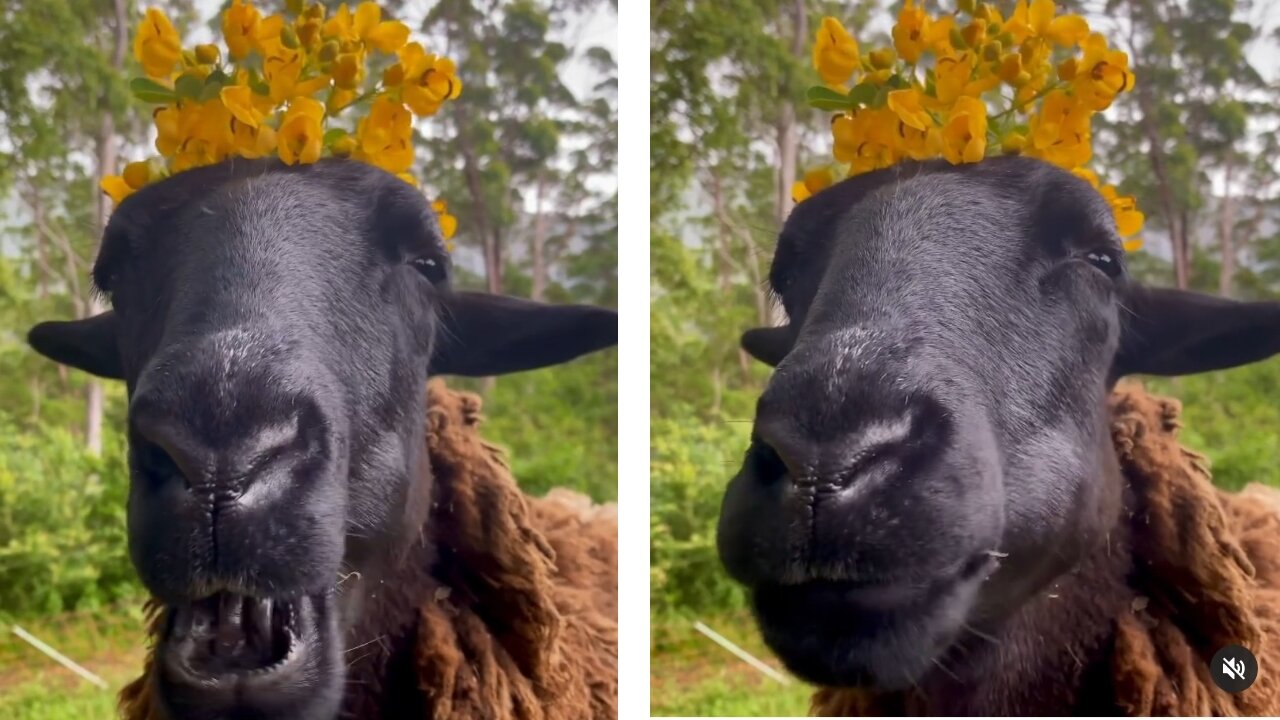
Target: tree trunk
[
  {"x": 1226, "y": 233},
  {"x": 537, "y": 246},
  {"x": 1155, "y": 153},
  {"x": 786, "y": 134},
  {"x": 475, "y": 186},
  {"x": 106, "y": 151}
]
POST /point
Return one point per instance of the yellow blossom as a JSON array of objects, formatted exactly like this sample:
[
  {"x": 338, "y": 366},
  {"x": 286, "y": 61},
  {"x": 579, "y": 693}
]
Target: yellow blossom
[
  {"x": 1013, "y": 143},
  {"x": 385, "y": 138},
  {"x": 1101, "y": 74},
  {"x": 448, "y": 223},
  {"x": 157, "y": 46},
  {"x": 239, "y": 28},
  {"x": 426, "y": 80},
  {"x": 366, "y": 25},
  {"x": 136, "y": 174},
  {"x": 270, "y": 78},
  {"x": 909, "y": 33},
  {"x": 909, "y": 108},
  {"x": 1129, "y": 220},
  {"x": 964, "y": 136},
  {"x": 943, "y": 112},
  {"x": 301, "y": 135},
  {"x": 116, "y": 187},
  {"x": 835, "y": 52},
  {"x": 1037, "y": 20},
  {"x": 813, "y": 181}
]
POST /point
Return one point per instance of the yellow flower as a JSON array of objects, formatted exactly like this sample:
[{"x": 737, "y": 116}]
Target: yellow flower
[
  {"x": 964, "y": 137},
  {"x": 1101, "y": 74},
  {"x": 239, "y": 28},
  {"x": 1129, "y": 220},
  {"x": 157, "y": 46},
  {"x": 281, "y": 67},
  {"x": 426, "y": 80},
  {"x": 367, "y": 26},
  {"x": 116, "y": 187},
  {"x": 448, "y": 223},
  {"x": 253, "y": 142},
  {"x": 348, "y": 71},
  {"x": 835, "y": 53},
  {"x": 813, "y": 181},
  {"x": 239, "y": 99},
  {"x": 909, "y": 33},
  {"x": 952, "y": 75},
  {"x": 908, "y": 106},
  {"x": 301, "y": 133},
  {"x": 137, "y": 174},
  {"x": 1061, "y": 119},
  {"x": 385, "y": 138},
  {"x": 1037, "y": 20},
  {"x": 1013, "y": 143}
]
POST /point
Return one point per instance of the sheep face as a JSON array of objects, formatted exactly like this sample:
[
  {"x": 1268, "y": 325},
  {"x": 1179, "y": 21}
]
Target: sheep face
[
  {"x": 275, "y": 328},
  {"x": 932, "y": 448}
]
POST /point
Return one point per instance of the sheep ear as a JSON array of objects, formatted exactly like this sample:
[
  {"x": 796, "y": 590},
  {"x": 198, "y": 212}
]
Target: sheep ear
[
  {"x": 485, "y": 334},
  {"x": 769, "y": 344},
  {"x": 88, "y": 344},
  {"x": 1175, "y": 332}
]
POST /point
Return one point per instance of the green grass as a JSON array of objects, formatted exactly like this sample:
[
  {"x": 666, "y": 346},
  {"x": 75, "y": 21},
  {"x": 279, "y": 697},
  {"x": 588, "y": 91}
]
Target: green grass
[
  {"x": 691, "y": 676},
  {"x": 109, "y": 642},
  {"x": 733, "y": 696},
  {"x": 36, "y": 700}
]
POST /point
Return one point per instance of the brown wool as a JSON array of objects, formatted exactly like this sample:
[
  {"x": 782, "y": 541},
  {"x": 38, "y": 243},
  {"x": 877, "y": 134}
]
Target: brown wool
[{"x": 517, "y": 620}]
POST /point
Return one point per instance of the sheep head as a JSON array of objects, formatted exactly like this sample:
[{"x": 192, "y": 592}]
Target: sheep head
[
  {"x": 932, "y": 448},
  {"x": 275, "y": 327}
]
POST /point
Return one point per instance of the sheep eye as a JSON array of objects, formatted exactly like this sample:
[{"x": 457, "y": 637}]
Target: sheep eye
[
  {"x": 431, "y": 269},
  {"x": 1105, "y": 261}
]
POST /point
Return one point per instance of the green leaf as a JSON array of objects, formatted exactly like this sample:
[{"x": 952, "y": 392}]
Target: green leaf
[
  {"x": 824, "y": 98},
  {"x": 213, "y": 85},
  {"x": 863, "y": 94},
  {"x": 150, "y": 91},
  {"x": 334, "y": 135},
  {"x": 188, "y": 86}
]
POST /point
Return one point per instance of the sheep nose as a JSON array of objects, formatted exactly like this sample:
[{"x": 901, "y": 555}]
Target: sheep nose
[
  {"x": 226, "y": 462},
  {"x": 812, "y": 427}
]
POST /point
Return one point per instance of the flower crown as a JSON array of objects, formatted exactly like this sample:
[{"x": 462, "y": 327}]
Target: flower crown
[
  {"x": 966, "y": 84},
  {"x": 279, "y": 89}
]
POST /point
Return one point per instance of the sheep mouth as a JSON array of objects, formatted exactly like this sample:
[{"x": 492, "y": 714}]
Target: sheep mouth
[
  {"x": 227, "y": 634},
  {"x": 237, "y": 656},
  {"x": 884, "y": 636}
]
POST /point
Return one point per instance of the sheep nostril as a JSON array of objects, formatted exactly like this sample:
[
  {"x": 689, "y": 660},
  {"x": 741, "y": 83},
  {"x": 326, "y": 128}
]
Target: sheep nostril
[{"x": 766, "y": 462}]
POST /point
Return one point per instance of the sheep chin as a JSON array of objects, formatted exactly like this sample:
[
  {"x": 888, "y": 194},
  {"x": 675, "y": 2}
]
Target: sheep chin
[{"x": 208, "y": 670}]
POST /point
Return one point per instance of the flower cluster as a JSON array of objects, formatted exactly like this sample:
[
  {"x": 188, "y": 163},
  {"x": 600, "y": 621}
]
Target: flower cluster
[
  {"x": 279, "y": 89},
  {"x": 968, "y": 84}
]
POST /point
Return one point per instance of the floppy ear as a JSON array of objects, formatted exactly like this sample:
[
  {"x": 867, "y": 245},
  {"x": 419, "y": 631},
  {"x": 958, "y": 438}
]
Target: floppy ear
[
  {"x": 1175, "y": 332},
  {"x": 486, "y": 334},
  {"x": 88, "y": 344},
  {"x": 769, "y": 344}
]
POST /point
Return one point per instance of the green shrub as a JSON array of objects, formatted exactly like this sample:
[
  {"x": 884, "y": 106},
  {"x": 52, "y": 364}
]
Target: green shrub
[
  {"x": 691, "y": 461},
  {"x": 62, "y": 522},
  {"x": 559, "y": 425}
]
